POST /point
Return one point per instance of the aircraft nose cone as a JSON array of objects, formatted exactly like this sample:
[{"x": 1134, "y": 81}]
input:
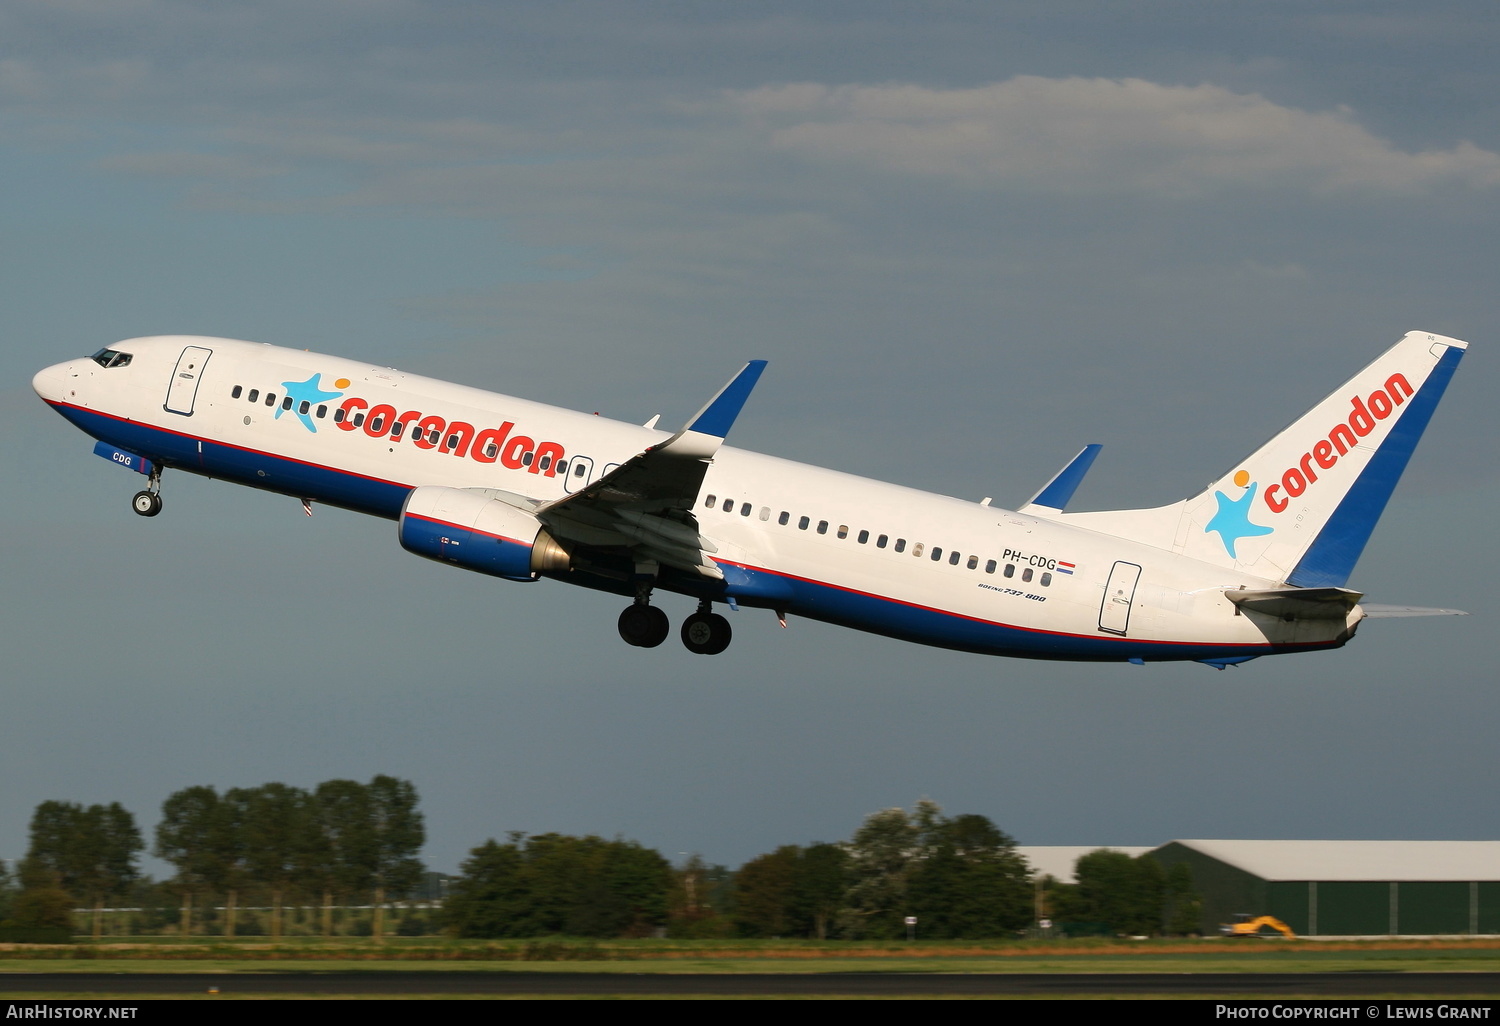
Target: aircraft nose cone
[{"x": 50, "y": 382}]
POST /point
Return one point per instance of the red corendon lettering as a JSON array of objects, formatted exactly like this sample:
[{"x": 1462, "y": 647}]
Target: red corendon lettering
[
  {"x": 1360, "y": 420},
  {"x": 458, "y": 436},
  {"x": 1323, "y": 453},
  {"x": 1363, "y": 413},
  {"x": 544, "y": 450},
  {"x": 425, "y": 427},
  {"x": 1307, "y": 471},
  {"x": 378, "y": 419},
  {"x": 348, "y": 406},
  {"x": 1391, "y": 384},
  {"x": 514, "y": 450},
  {"x": 1294, "y": 483},
  {"x": 402, "y": 422},
  {"x": 487, "y": 438}
]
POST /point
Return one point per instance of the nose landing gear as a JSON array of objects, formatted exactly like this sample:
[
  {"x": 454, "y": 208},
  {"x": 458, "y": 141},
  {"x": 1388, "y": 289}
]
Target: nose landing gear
[{"x": 148, "y": 503}]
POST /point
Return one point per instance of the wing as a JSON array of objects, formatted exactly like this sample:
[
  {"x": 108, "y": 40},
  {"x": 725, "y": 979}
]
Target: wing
[{"x": 646, "y": 503}]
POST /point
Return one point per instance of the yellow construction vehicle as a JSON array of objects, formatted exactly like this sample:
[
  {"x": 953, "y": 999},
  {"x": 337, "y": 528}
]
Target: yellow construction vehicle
[{"x": 1247, "y": 925}]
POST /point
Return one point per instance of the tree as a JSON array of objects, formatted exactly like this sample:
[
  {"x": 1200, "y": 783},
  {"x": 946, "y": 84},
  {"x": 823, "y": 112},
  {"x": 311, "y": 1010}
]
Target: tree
[
  {"x": 369, "y": 835},
  {"x": 822, "y": 881},
  {"x": 89, "y": 852},
  {"x": 881, "y": 854},
  {"x": 398, "y": 834},
  {"x": 553, "y": 883},
  {"x": 188, "y": 837},
  {"x": 280, "y": 837},
  {"x": 970, "y": 881},
  {"x": 765, "y": 893},
  {"x": 343, "y": 816},
  {"x": 1122, "y": 892}
]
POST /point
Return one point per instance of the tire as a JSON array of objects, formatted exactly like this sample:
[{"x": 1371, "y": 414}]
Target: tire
[
  {"x": 146, "y": 504},
  {"x": 706, "y": 633},
  {"x": 643, "y": 626}
]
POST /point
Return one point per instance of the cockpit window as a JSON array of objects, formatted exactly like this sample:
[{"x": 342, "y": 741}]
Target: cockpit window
[{"x": 110, "y": 358}]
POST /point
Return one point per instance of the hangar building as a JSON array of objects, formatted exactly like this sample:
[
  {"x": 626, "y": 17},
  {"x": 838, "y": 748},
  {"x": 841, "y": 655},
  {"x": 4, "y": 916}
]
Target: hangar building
[{"x": 1348, "y": 888}]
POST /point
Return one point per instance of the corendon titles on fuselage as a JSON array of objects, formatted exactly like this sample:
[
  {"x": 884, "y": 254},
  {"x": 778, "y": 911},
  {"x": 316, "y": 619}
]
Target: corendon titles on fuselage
[{"x": 430, "y": 431}]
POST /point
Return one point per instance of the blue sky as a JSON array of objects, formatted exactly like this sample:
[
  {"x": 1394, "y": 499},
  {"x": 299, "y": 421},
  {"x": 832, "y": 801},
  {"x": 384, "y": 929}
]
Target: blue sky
[{"x": 969, "y": 238}]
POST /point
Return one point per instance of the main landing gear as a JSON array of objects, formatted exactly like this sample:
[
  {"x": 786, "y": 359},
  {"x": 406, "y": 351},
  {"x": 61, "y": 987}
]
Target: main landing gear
[
  {"x": 148, "y": 503},
  {"x": 645, "y": 626},
  {"x": 706, "y": 632}
]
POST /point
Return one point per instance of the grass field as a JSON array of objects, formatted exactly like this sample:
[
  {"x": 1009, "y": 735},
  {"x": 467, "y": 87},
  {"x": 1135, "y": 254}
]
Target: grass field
[{"x": 155, "y": 955}]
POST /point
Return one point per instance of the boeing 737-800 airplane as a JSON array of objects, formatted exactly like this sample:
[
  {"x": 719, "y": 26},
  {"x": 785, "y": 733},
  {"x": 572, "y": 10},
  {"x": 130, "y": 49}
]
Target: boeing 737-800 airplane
[{"x": 1256, "y": 564}]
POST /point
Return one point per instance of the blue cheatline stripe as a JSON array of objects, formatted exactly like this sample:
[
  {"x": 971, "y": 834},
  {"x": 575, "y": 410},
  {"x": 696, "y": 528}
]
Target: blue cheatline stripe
[
  {"x": 245, "y": 466},
  {"x": 772, "y": 589},
  {"x": 1330, "y": 559},
  {"x": 719, "y": 415},
  {"x": 893, "y": 618}
]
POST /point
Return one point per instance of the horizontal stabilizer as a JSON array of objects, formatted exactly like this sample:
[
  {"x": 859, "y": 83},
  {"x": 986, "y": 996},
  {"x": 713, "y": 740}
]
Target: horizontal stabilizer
[
  {"x": 1381, "y": 612},
  {"x": 1298, "y": 603},
  {"x": 1055, "y": 494}
]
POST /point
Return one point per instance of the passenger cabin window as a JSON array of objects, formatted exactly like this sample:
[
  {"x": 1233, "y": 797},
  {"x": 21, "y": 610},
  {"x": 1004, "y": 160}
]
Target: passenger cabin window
[
  {"x": 989, "y": 567},
  {"x": 546, "y": 461},
  {"x": 784, "y": 518},
  {"x": 900, "y": 544},
  {"x": 286, "y": 404},
  {"x": 765, "y": 512},
  {"x": 377, "y": 425},
  {"x": 973, "y": 562},
  {"x": 270, "y": 398},
  {"x": 728, "y": 505},
  {"x": 744, "y": 509},
  {"x": 322, "y": 412},
  {"x": 562, "y": 467},
  {"x": 255, "y": 394},
  {"x": 880, "y": 542},
  {"x": 238, "y": 389},
  {"x": 802, "y": 523},
  {"x": 822, "y": 527},
  {"x": 306, "y": 405},
  {"x": 1046, "y": 580},
  {"x": 1010, "y": 569},
  {"x": 525, "y": 460},
  {"x": 916, "y": 550},
  {"x": 492, "y": 450},
  {"x": 954, "y": 557},
  {"x": 338, "y": 414},
  {"x": 937, "y": 553},
  {"x": 864, "y": 536},
  {"x": 711, "y": 501},
  {"x": 1026, "y": 575},
  {"x": 843, "y": 530}
]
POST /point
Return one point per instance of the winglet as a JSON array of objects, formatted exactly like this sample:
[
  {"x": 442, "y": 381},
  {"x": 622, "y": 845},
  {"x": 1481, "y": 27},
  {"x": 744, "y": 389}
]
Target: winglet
[
  {"x": 703, "y": 434},
  {"x": 1056, "y": 493},
  {"x": 718, "y": 416}
]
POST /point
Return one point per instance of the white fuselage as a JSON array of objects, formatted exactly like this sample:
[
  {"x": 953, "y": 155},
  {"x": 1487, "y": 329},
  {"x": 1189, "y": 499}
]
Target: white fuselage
[{"x": 863, "y": 553}]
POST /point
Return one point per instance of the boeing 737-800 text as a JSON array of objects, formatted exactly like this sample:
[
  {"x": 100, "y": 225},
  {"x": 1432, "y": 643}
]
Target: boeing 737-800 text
[{"x": 1256, "y": 564}]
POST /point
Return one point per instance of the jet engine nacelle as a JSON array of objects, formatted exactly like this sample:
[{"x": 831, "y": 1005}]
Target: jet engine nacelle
[{"x": 473, "y": 529}]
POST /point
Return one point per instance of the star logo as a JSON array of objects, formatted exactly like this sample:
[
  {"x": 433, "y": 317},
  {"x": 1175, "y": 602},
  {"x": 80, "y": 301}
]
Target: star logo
[
  {"x": 1232, "y": 521},
  {"x": 310, "y": 392}
]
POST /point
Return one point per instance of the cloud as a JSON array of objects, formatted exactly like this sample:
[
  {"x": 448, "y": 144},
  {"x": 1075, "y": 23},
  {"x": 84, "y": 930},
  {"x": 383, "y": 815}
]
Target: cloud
[{"x": 1095, "y": 135}]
